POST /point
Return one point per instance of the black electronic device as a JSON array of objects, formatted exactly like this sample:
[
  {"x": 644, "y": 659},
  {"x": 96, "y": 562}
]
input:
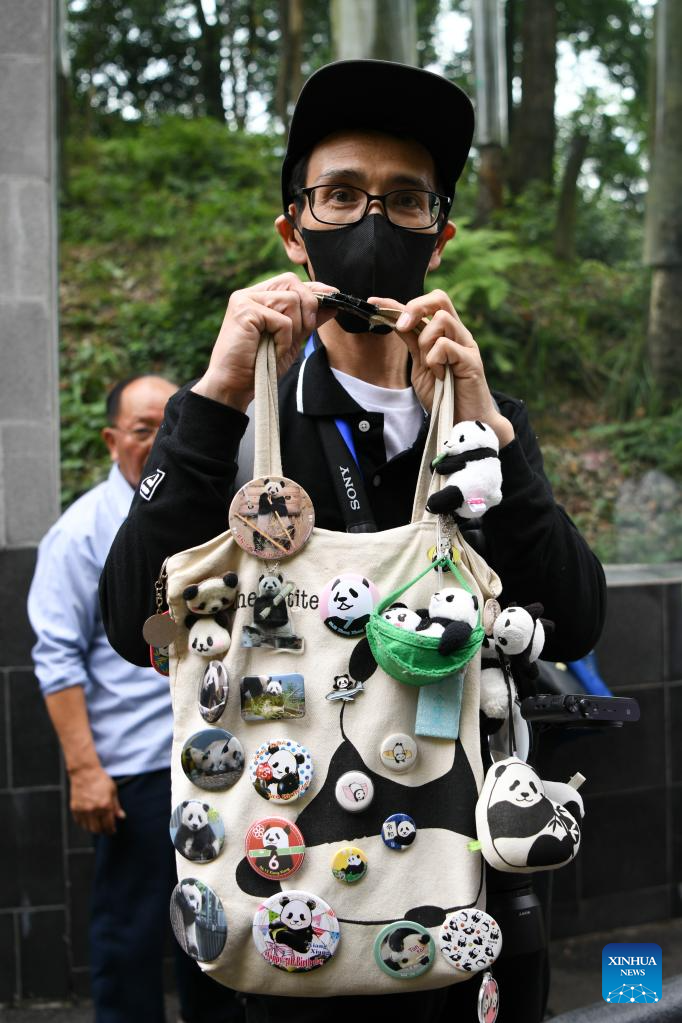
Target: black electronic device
[{"x": 576, "y": 710}]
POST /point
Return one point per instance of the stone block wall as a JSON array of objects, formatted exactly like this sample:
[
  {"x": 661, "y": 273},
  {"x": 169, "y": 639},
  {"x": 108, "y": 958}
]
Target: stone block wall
[
  {"x": 33, "y": 901},
  {"x": 630, "y": 865}
]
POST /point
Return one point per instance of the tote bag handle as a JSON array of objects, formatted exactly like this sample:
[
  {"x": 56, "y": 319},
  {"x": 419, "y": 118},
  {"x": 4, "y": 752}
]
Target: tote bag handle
[{"x": 267, "y": 453}]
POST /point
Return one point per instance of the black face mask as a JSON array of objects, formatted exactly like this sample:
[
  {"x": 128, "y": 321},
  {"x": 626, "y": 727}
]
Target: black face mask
[{"x": 372, "y": 257}]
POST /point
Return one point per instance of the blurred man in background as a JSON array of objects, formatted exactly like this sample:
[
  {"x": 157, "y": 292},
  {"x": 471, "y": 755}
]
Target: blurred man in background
[{"x": 114, "y": 725}]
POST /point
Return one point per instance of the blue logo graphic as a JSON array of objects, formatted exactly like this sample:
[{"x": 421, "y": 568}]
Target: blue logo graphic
[{"x": 631, "y": 972}]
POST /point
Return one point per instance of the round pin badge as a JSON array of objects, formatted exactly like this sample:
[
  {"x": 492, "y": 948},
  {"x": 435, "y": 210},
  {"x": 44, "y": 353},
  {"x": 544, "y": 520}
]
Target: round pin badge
[
  {"x": 399, "y": 752},
  {"x": 296, "y": 931},
  {"x": 271, "y": 517},
  {"x": 488, "y": 999},
  {"x": 404, "y": 950},
  {"x": 198, "y": 919},
  {"x": 399, "y": 831},
  {"x": 354, "y": 791},
  {"x": 274, "y": 848},
  {"x": 281, "y": 769},
  {"x": 213, "y": 759},
  {"x": 196, "y": 830},
  {"x": 470, "y": 940},
  {"x": 346, "y": 603},
  {"x": 349, "y": 864},
  {"x": 213, "y": 691}
]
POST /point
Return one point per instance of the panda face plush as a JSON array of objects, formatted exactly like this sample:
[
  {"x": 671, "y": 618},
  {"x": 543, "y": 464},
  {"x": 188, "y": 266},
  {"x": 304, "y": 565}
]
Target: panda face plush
[
  {"x": 454, "y": 605},
  {"x": 194, "y": 814},
  {"x": 211, "y": 595},
  {"x": 402, "y": 617},
  {"x": 208, "y": 638}
]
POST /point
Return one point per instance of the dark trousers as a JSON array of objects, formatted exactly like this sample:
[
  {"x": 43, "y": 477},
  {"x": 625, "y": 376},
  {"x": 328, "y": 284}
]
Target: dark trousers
[{"x": 134, "y": 877}]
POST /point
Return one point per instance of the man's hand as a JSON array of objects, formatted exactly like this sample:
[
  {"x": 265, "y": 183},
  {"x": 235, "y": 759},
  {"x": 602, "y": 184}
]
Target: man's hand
[
  {"x": 94, "y": 800},
  {"x": 445, "y": 341},
  {"x": 283, "y": 306}
]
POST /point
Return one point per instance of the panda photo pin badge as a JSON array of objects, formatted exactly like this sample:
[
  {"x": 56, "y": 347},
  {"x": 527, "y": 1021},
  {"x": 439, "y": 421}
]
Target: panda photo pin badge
[
  {"x": 271, "y": 628},
  {"x": 213, "y": 691},
  {"x": 296, "y": 931},
  {"x": 346, "y": 603},
  {"x": 213, "y": 759},
  {"x": 404, "y": 950},
  {"x": 470, "y": 940},
  {"x": 271, "y": 517},
  {"x": 198, "y": 919},
  {"x": 281, "y": 770},
  {"x": 197, "y": 831},
  {"x": 274, "y": 848}
]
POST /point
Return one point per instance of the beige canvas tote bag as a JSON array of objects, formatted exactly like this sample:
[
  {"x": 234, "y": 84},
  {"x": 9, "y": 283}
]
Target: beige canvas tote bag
[{"x": 321, "y": 930}]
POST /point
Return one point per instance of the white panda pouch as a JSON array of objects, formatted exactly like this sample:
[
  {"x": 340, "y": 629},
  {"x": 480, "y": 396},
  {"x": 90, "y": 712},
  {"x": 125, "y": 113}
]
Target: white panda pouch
[{"x": 520, "y": 822}]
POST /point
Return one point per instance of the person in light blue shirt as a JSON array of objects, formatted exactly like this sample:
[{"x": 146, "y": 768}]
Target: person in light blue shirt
[{"x": 114, "y": 724}]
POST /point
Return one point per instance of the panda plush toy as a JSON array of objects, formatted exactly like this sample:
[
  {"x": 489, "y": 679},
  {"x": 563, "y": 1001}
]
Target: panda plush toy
[
  {"x": 207, "y": 618},
  {"x": 520, "y": 827},
  {"x": 453, "y": 615},
  {"x": 211, "y": 595},
  {"x": 471, "y": 462},
  {"x": 519, "y": 636}
]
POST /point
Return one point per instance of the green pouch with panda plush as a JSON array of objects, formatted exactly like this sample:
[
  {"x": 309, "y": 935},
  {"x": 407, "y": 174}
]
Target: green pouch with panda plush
[{"x": 412, "y": 657}]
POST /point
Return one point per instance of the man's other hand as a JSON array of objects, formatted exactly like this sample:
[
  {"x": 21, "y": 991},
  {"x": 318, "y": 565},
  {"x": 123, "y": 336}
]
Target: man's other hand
[
  {"x": 94, "y": 800},
  {"x": 284, "y": 307}
]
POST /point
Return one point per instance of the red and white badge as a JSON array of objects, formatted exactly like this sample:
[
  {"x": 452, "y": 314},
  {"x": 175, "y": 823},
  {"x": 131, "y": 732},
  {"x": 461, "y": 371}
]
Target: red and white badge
[
  {"x": 274, "y": 848},
  {"x": 488, "y": 999}
]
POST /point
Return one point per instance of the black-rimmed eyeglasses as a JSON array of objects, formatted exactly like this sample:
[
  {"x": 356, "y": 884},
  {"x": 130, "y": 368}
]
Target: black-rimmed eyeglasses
[{"x": 414, "y": 208}]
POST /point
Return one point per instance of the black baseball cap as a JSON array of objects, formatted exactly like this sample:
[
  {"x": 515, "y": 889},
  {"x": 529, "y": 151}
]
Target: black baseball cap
[{"x": 397, "y": 99}]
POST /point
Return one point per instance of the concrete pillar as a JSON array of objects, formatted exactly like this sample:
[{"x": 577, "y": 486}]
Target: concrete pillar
[
  {"x": 33, "y": 918},
  {"x": 29, "y": 413}
]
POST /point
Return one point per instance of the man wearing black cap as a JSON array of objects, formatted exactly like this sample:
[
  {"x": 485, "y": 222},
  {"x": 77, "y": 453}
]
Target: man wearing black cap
[{"x": 374, "y": 154}]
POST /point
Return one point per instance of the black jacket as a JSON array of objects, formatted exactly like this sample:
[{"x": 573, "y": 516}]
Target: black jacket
[{"x": 529, "y": 539}]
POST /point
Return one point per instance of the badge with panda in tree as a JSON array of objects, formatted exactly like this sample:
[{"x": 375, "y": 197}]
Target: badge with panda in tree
[{"x": 271, "y": 517}]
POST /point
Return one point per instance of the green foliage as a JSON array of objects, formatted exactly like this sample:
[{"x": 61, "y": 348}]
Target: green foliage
[{"x": 164, "y": 221}]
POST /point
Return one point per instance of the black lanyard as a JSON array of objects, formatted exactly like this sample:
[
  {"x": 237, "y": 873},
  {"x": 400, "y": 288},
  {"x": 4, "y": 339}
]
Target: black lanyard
[
  {"x": 349, "y": 485},
  {"x": 339, "y": 451}
]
